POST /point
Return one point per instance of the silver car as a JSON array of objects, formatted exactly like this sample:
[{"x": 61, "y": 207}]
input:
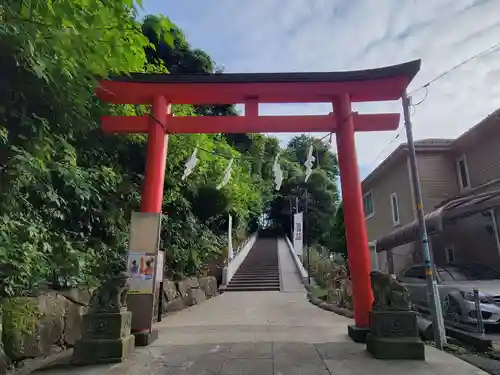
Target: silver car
[{"x": 455, "y": 285}]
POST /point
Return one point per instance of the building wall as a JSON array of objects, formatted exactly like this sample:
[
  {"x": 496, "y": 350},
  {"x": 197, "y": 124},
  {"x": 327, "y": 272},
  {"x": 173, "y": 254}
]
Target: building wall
[
  {"x": 482, "y": 153},
  {"x": 438, "y": 178},
  {"x": 395, "y": 180},
  {"x": 473, "y": 239}
]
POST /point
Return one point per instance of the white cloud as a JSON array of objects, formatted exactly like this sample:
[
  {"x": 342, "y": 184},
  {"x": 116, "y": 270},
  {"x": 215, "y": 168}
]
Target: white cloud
[{"x": 330, "y": 35}]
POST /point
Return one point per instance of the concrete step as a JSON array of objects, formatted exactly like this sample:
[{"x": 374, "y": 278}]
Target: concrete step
[
  {"x": 258, "y": 269},
  {"x": 252, "y": 288},
  {"x": 254, "y": 282},
  {"x": 252, "y": 279},
  {"x": 257, "y": 274}
]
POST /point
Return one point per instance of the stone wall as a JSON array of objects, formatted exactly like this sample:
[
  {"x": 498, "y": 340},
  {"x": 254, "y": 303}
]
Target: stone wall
[
  {"x": 55, "y": 325},
  {"x": 59, "y": 318},
  {"x": 188, "y": 292}
]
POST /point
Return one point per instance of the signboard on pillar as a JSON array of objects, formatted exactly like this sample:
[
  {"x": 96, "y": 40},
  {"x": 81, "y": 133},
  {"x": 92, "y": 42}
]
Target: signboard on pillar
[
  {"x": 142, "y": 268},
  {"x": 230, "y": 253},
  {"x": 158, "y": 300},
  {"x": 298, "y": 236}
]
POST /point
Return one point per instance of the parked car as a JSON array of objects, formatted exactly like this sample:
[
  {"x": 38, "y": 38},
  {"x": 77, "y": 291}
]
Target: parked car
[{"x": 456, "y": 284}]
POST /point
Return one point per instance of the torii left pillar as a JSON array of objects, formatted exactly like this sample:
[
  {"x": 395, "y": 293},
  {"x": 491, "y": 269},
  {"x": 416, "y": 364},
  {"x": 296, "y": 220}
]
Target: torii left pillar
[
  {"x": 145, "y": 229},
  {"x": 354, "y": 219},
  {"x": 156, "y": 157}
]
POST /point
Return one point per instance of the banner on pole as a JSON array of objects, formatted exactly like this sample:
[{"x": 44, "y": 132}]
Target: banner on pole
[
  {"x": 230, "y": 254},
  {"x": 298, "y": 241}
]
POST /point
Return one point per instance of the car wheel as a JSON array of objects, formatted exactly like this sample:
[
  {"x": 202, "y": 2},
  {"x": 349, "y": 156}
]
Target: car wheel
[{"x": 451, "y": 309}]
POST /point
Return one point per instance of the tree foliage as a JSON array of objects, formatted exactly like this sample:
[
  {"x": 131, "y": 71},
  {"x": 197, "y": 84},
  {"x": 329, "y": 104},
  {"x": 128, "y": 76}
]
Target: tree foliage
[
  {"x": 68, "y": 190},
  {"x": 317, "y": 198}
]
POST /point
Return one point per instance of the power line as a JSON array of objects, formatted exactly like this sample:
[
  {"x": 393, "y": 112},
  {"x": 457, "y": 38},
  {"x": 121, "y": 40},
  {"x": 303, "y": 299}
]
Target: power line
[
  {"x": 445, "y": 73},
  {"x": 426, "y": 87}
]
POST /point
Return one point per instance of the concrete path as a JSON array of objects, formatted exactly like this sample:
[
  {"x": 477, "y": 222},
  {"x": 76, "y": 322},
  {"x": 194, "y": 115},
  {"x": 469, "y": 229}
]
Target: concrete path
[
  {"x": 263, "y": 333},
  {"x": 289, "y": 277}
]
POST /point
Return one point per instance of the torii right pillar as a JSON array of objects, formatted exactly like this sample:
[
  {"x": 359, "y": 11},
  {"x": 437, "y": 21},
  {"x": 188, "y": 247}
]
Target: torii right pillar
[{"x": 354, "y": 219}]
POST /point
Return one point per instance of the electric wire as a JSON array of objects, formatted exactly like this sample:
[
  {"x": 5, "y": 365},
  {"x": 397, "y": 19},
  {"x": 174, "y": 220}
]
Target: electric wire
[{"x": 490, "y": 49}]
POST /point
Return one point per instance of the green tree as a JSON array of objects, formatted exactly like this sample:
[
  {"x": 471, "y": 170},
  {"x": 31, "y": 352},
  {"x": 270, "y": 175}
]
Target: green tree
[{"x": 319, "y": 194}]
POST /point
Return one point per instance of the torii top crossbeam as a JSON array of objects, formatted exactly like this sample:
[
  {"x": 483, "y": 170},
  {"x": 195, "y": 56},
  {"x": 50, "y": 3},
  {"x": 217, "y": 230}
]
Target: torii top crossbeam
[
  {"x": 380, "y": 84},
  {"x": 339, "y": 88},
  {"x": 371, "y": 85}
]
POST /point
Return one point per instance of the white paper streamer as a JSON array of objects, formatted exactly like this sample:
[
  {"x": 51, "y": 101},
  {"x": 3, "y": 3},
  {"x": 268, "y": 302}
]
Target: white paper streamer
[
  {"x": 309, "y": 163},
  {"x": 227, "y": 175},
  {"x": 190, "y": 164},
  {"x": 278, "y": 174}
]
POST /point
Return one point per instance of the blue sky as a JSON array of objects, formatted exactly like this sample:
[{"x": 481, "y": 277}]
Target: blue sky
[{"x": 332, "y": 35}]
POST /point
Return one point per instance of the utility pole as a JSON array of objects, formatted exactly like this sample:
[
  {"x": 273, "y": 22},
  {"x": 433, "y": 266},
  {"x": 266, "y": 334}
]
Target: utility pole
[
  {"x": 304, "y": 236},
  {"x": 432, "y": 288}
]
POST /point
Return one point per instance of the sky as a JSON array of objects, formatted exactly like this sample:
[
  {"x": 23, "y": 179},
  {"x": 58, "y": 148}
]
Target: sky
[{"x": 334, "y": 35}]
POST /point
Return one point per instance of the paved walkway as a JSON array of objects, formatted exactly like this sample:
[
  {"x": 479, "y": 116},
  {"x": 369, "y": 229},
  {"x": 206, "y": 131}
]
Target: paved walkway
[
  {"x": 263, "y": 333},
  {"x": 289, "y": 277}
]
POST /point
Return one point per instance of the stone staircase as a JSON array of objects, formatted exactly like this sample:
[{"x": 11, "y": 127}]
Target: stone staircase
[{"x": 259, "y": 271}]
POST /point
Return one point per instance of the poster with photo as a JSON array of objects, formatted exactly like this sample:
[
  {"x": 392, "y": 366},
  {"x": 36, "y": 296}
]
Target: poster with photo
[{"x": 140, "y": 270}]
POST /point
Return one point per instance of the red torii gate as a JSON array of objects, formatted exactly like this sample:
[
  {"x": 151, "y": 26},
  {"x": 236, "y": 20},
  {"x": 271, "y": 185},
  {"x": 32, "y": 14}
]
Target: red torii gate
[{"x": 338, "y": 88}]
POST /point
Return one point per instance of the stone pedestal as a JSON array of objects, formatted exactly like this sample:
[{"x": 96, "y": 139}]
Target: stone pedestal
[
  {"x": 357, "y": 334},
  {"x": 145, "y": 338},
  {"x": 394, "y": 335},
  {"x": 106, "y": 338}
]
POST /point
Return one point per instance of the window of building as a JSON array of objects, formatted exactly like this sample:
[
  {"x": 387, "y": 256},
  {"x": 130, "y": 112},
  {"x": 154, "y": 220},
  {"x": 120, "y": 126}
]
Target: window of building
[
  {"x": 373, "y": 256},
  {"x": 450, "y": 255},
  {"x": 463, "y": 173},
  {"x": 395, "y": 209},
  {"x": 368, "y": 205}
]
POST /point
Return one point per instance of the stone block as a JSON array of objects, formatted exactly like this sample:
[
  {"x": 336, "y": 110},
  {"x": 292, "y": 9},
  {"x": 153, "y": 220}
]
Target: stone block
[
  {"x": 73, "y": 322},
  {"x": 357, "y": 334},
  {"x": 106, "y": 325},
  {"x": 106, "y": 338},
  {"x": 209, "y": 285},
  {"x": 395, "y": 348},
  {"x": 145, "y": 338},
  {"x": 94, "y": 351},
  {"x": 80, "y": 296},
  {"x": 170, "y": 290},
  {"x": 198, "y": 295},
  {"x": 394, "y": 335},
  {"x": 394, "y": 324}
]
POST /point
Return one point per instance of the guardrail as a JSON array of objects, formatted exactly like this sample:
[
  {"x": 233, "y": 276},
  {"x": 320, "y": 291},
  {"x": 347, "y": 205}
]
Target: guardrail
[
  {"x": 298, "y": 263},
  {"x": 239, "y": 256}
]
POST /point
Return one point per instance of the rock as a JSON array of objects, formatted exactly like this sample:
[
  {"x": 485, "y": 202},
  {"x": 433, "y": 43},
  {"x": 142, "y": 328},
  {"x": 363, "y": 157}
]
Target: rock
[
  {"x": 209, "y": 285},
  {"x": 198, "y": 295},
  {"x": 175, "y": 305},
  {"x": 170, "y": 290},
  {"x": 79, "y": 296},
  {"x": 193, "y": 282},
  {"x": 185, "y": 291},
  {"x": 48, "y": 328},
  {"x": 4, "y": 360},
  {"x": 73, "y": 322}
]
